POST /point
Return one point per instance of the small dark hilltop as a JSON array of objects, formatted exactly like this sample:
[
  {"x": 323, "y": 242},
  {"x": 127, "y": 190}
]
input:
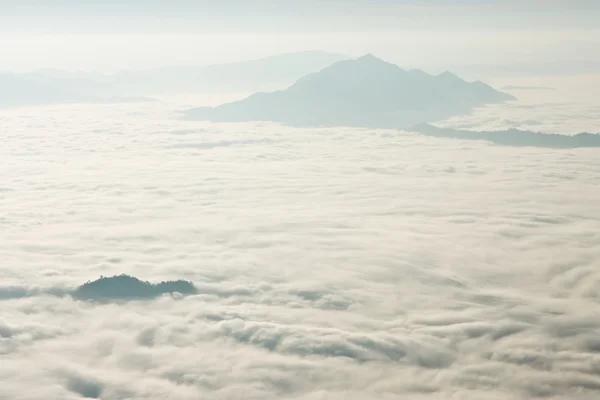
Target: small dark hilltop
[
  {"x": 514, "y": 137},
  {"x": 365, "y": 92},
  {"x": 125, "y": 287}
]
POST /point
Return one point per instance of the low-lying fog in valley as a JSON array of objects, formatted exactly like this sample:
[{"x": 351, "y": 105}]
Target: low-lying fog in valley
[
  {"x": 299, "y": 200},
  {"x": 329, "y": 263}
]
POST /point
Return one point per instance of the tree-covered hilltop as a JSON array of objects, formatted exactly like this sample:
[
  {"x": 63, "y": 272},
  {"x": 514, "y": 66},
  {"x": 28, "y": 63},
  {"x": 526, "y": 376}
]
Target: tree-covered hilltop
[{"x": 125, "y": 287}]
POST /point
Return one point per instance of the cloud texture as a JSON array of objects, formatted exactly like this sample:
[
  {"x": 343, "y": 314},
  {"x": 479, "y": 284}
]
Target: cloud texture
[{"x": 332, "y": 263}]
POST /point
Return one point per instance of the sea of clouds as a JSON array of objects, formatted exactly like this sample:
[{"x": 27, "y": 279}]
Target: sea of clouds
[{"x": 331, "y": 263}]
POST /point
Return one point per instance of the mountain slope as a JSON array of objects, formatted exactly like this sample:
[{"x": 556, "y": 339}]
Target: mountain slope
[{"x": 365, "y": 92}]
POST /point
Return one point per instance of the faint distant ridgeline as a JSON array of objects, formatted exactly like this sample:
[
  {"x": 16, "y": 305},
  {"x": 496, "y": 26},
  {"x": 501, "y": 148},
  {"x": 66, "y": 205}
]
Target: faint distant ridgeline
[
  {"x": 125, "y": 287},
  {"x": 63, "y": 87},
  {"x": 514, "y": 137}
]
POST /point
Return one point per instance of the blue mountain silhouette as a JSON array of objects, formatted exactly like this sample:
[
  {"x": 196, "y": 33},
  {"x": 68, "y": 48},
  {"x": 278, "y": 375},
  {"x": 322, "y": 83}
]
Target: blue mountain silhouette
[{"x": 365, "y": 92}]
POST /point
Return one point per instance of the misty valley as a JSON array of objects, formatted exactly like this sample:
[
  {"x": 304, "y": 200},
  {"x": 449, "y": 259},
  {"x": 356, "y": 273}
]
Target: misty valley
[{"x": 194, "y": 204}]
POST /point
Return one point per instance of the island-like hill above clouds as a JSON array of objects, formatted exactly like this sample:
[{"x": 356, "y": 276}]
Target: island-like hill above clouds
[
  {"x": 125, "y": 287},
  {"x": 364, "y": 92}
]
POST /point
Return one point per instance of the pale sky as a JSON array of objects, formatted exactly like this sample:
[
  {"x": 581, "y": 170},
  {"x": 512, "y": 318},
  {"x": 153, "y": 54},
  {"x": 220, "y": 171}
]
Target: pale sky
[{"x": 436, "y": 35}]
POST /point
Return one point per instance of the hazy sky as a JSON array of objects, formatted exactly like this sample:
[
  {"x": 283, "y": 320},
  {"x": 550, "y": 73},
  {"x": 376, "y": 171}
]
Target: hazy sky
[{"x": 434, "y": 34}]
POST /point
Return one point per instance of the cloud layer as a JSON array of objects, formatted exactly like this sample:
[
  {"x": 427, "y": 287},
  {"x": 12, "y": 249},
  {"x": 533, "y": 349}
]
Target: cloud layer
[{"x": 332, "y": 263}]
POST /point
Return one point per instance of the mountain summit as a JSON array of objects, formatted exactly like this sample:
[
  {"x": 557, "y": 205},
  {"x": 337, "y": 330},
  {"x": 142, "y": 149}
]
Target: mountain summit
[{"x": 364, "y": 92}]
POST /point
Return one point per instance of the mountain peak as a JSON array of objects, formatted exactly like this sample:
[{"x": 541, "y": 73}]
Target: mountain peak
[
  {"x": 371, "y": 60},
  {"x": 367, "y": 64},
  {"x": 450, "y": 77},
  {"x": 368, "y": 57},
  {"x": 447, "y": 74}
]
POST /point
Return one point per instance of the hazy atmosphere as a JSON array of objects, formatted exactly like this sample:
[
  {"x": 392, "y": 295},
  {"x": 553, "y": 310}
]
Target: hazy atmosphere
[{"x": 299, "y": 200}]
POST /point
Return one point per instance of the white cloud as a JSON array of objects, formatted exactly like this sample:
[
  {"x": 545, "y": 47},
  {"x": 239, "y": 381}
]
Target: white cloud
[{"x": 333, "y": 263}]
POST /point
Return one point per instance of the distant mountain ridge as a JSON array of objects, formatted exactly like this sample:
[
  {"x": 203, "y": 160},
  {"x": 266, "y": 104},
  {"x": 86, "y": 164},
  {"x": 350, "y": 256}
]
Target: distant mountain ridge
[
  {"x": 56, "y": 87},
  {"x": 243, "y": 76},
  {"x": 514, "y": 137},
  {"x": 363, "y": 92}
]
